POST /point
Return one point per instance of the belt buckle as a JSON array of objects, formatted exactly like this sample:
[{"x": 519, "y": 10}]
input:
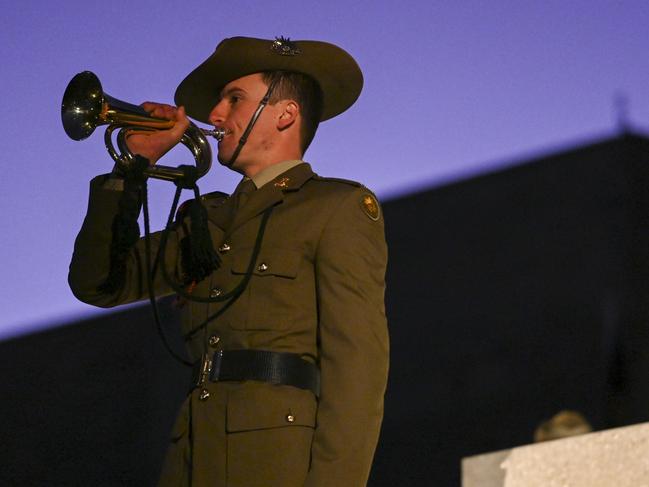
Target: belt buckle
[
  {"x": 215, "y": 370},
  {"x": 205, "y": 369}
]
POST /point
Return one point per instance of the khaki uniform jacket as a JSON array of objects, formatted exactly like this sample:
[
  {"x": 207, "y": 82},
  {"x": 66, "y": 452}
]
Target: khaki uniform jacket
[{"x": 317, "y": 290}]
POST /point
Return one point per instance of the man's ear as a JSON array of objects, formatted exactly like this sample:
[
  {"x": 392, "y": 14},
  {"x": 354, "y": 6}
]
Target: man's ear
[{"x": 288, "y": 115}]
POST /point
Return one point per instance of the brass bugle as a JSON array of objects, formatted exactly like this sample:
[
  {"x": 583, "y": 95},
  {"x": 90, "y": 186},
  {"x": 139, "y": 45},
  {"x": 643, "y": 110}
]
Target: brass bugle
[{"x": 85, "y": 106}]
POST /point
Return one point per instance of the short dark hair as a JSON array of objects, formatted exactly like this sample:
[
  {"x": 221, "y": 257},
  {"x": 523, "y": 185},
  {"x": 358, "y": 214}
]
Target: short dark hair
[{"x": 306, "y": 92}]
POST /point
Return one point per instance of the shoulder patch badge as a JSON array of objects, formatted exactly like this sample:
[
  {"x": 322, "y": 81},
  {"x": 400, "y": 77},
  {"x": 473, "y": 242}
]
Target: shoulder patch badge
[{"x": 370, "y": 206}]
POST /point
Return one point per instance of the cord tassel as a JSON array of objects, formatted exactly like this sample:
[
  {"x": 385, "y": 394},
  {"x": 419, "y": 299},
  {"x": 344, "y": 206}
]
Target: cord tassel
[
  {"x": 125, "y": 229},
  {"x": 201, "y": 258}
]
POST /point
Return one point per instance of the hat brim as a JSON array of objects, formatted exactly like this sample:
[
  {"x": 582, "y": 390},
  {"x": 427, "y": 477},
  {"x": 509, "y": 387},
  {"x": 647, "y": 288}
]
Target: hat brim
[{"x": 338, "y": 75}]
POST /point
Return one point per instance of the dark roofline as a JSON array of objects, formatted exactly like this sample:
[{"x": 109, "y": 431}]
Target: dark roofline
[{"x": 523, "y": 163}]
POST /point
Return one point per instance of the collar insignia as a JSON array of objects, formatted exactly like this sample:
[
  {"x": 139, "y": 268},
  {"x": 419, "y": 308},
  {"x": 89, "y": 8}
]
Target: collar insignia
[
  {"x": 282, "y": 183},
  {"x": 285, "y": 47}
]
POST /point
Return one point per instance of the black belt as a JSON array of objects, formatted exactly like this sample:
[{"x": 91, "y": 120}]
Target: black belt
[{"x": 280, "y": 368}]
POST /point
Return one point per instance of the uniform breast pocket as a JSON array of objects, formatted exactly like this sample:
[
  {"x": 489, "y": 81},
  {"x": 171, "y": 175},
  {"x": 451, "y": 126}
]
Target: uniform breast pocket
[{"x": 272, "y": 294}]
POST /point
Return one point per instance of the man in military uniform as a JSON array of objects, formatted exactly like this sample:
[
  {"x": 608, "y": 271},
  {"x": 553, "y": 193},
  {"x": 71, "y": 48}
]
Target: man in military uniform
[{"x": 289, "y": 332}]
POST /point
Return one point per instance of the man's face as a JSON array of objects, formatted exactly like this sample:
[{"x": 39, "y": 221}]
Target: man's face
[{"x": 239, "y": 100}]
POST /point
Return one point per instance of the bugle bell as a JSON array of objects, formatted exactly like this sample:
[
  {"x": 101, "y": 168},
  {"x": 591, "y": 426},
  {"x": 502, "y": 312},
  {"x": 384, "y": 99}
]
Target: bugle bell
[{"x": 85, "y": 106}]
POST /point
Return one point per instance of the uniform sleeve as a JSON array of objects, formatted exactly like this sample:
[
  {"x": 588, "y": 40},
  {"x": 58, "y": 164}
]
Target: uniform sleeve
[
  {"x": 350, "y": 271},
  {"x": 91, "y": 262}
]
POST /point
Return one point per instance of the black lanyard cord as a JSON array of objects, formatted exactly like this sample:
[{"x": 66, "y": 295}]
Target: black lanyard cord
[
  {"x": 253, "y": 120},
  {"x": 150, "y": 277},
  {"x": 228, "y": 295},
  {"x": 236, "y": 292},
  {"x": 160, "y": 262},
  {"x": 189, "y": 182}
]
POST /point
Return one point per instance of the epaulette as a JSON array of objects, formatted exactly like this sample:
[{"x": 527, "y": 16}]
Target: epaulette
[
  {"x": 183, "y": 209},
  {"x": 214, "y": 195},
  {"x": 338, "y": 180}
]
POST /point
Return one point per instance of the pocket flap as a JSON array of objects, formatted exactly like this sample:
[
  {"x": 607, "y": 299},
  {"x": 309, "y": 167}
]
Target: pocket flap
[
  {"x": 271, "y": 262},
  {"x": 255, "y": 406}
]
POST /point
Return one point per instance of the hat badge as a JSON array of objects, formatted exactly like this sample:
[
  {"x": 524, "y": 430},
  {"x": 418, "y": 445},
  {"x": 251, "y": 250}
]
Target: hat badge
[{"x": 285, "y": 47}]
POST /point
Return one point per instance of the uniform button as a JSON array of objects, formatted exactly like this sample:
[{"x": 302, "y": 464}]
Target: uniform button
[
  {"x": 214, "y": 340},
  {"x": 290, "y": 418},
  {"x": 204, "y": 395},
  {"x": 262, "y": 267},
  {"x": 224, "y": 248},
  {"x": 215, "y": 292}
]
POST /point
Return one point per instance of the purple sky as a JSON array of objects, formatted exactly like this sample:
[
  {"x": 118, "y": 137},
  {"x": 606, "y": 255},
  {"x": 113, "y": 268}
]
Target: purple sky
[{"x": 451, "y": 89}]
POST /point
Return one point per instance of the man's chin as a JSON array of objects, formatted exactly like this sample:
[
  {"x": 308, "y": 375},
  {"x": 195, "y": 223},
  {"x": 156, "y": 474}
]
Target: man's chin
[
  {"x": 224, "y": 159},
  {"x": 225, "y": 162}
]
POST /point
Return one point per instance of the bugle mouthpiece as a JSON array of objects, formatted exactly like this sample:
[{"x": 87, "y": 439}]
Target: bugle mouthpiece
[{"x": 218, "y": 134}]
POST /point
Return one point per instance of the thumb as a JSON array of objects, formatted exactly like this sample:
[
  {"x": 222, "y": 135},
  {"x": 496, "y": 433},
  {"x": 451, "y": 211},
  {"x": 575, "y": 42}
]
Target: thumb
[{"x": 182, "y": 123}]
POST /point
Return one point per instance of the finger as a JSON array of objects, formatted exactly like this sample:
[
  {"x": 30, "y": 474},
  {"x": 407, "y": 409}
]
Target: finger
[
  {"x": 169, "y": 112},
  {"x": 182, "y": 122},
  {"x": 149, "y": 106},
  {"x": 156, "y": 110},
  {"x": 159, "y": 110},
  {"x": 180, "y": 114}
]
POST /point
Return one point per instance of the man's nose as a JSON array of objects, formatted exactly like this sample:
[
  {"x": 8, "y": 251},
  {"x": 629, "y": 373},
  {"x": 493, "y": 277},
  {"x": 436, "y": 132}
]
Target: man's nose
[{"x": 217, "y": 115}]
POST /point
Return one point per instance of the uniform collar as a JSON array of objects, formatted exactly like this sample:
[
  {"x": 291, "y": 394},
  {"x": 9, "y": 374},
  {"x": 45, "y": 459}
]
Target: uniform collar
[
  {"x": 271, "y": 193},
  {"x": 271, "y": 172}
]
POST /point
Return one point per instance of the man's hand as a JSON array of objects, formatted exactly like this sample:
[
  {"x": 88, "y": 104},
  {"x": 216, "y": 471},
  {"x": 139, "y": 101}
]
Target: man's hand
[{"x": 153, "y": 145}]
